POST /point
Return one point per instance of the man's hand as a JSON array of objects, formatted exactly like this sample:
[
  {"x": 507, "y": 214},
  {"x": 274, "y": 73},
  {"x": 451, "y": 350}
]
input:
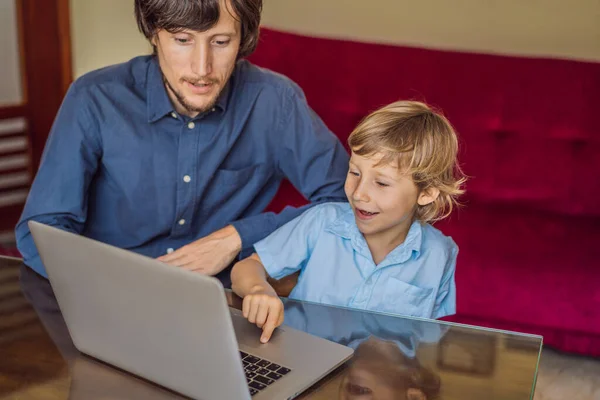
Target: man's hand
[
  {"x": 264, "y": 309},
  {"x": 209, "y": 255}
]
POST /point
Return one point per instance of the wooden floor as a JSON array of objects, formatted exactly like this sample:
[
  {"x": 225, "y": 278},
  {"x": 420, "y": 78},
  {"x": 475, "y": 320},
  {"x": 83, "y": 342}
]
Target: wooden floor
[{"x": 567, "y": 377}]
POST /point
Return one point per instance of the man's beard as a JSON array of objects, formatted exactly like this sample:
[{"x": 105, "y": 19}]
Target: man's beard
[{"x": 185, "y": 104}]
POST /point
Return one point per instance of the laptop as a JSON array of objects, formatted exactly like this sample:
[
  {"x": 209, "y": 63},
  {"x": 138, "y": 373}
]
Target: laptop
[{"x": 174, "y": 327}]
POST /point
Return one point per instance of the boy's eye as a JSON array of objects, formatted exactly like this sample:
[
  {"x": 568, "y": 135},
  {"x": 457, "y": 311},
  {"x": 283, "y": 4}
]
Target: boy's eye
[
  {"x": 353, "y": 173},
  {"x": 221, "y": 42},
  {"x": 357, "y": 390},
  {"x": 382, "y": 184},
  {"x": 181, "y": 40}
]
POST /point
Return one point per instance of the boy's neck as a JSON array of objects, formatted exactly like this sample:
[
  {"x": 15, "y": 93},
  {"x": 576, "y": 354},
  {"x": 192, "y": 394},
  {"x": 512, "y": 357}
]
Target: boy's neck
[{"x": 383, "y": 243}]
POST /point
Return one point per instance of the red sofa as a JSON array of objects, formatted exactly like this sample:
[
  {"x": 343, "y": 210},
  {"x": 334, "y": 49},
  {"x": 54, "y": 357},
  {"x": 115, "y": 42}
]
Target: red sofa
[{"x": 528, "y": 233}]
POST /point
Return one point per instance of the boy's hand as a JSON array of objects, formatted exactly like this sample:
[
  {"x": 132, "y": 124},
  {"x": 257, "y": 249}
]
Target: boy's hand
[{"x": 264, "y": 309}]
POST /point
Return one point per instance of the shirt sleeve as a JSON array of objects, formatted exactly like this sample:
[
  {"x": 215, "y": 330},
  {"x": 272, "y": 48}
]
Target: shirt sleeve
[
  {"x": 445, "y": 302},
  {"x": 310, "y": 156},
  {"x": 59, "y": 192},
  {"x": 287, "y": 250}
]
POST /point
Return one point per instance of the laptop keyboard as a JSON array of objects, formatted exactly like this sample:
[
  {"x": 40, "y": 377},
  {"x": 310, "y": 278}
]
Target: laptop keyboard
[{"x": 261, "y": 373}]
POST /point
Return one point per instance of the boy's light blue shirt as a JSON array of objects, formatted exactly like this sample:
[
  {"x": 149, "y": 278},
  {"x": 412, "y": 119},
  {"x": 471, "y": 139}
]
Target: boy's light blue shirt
[{"x": 324, "y": 243}]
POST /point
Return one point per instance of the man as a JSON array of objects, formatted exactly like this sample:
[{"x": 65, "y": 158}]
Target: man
[{"x": 176, "y": 155}]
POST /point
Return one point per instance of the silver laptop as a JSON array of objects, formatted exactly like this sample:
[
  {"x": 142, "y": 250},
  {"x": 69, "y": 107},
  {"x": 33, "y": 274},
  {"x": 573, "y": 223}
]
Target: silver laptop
[{"x": 174, "y": 327}]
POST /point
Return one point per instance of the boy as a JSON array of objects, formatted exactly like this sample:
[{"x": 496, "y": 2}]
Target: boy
[{"x": 378, "y": 252}]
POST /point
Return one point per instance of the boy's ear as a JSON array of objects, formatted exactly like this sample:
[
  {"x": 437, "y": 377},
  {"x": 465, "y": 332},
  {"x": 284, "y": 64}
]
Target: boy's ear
[{"x": 428, "y": 196}]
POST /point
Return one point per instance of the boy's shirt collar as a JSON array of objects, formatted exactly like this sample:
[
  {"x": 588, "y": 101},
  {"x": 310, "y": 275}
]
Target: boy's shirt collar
[{"x": 345, "y": 227}]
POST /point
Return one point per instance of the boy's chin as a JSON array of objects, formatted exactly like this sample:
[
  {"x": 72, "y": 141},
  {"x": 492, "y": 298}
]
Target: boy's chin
[{"x": 365, "y": 230}]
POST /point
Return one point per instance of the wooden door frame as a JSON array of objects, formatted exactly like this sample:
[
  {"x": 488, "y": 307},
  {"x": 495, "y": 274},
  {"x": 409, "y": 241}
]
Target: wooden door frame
[
  {"x": 46, "y": 73},
  {"x": 46, "y": 65}
]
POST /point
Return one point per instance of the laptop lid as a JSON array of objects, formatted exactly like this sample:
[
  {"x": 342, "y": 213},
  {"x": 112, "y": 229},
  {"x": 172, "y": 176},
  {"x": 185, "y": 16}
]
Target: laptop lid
[
  {"x": 164, "y": 324},
  {"x": 168, "y": 325}
]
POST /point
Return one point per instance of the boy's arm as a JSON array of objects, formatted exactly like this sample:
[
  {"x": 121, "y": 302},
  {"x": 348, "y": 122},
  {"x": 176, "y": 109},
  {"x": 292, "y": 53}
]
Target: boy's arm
[
  {"x": 261, "y": 306},
  {"x": 249, "y": 277},
  {"x": 282, "y": 253}
]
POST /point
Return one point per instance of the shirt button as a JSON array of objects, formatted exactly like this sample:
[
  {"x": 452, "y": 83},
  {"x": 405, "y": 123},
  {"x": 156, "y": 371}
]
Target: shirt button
[
  {"x": 181, "y": 222},
  {"x": 174, "y": 115},
  {"x": 170, "y": 250},
  {"x": 187, "y": 179},
  {"x": 213, "y": 109},
  {"x": 191, "y": 125}
]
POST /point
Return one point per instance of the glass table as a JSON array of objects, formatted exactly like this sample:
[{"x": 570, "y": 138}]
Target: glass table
[{"x": 392, "y": 354}]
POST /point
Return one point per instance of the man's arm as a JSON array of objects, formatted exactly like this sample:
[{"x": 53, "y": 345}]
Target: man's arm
[
  {"x": 310, "y": 156},
  {"x": 208, "y": 255},
  {"x": 59, "y": 192}
]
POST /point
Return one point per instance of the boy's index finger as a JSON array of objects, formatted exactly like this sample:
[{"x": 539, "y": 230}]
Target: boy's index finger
[{"x": 269, "y": 326}]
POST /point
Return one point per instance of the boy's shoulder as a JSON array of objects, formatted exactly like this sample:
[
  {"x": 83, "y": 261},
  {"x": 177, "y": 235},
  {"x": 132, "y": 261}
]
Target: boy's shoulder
[
  {"x": 434, "y": 241},
  {"x": 328, "y": 212}
]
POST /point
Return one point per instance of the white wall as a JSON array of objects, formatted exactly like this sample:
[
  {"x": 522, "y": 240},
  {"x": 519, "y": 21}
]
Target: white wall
[
  {"x": 558, "y": 28},
  {"x": 10, "y": 75},
  {"x": 104, "y": 31}
]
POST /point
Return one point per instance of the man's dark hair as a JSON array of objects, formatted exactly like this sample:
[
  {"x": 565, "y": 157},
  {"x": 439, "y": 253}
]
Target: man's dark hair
[{"x": 198, "y": 15}]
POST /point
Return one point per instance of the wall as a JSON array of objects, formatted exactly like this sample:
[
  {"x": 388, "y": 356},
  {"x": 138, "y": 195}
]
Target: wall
[
  {"x": 104, "y": 31},
  {"x": 524, "y": 27},
  {"x": 10, "y": 76}
]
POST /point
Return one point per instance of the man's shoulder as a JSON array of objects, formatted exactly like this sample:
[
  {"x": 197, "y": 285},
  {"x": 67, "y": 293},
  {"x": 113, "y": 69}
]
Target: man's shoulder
[
  {"x": 126, "y": 74},
  {"x": 251, "y": 74}
]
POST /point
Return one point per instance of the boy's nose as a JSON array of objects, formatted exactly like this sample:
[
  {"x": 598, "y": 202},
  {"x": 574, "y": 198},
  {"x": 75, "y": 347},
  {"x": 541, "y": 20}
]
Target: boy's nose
[{"x": 360, "y": 195}]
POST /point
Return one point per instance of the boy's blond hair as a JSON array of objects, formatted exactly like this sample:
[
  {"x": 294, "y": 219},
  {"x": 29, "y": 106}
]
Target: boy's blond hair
[{"x": 422, "y": 143}]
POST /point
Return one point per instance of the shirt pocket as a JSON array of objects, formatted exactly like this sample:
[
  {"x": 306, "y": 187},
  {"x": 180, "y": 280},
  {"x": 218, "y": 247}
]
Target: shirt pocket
[
  {"x": 238, "y": 178},
  {"x": 230, "y": 193},
  {"x": 399, "y": 297}
]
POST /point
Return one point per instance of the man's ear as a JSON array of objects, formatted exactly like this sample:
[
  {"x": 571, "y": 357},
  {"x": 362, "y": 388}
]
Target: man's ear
[
  {"x": 415, "y": 394},
  {"x": 154, "y": 40},
  {"x": 428, "y": 196}
]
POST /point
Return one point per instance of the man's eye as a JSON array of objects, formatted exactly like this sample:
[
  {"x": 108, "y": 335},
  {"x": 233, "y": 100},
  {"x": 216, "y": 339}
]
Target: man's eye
[{"x": 222, "y": 43}]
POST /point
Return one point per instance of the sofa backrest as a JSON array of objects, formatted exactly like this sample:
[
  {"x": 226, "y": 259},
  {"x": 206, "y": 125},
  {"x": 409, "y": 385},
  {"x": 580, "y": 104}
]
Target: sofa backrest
[{"x": 529, "y": 132}]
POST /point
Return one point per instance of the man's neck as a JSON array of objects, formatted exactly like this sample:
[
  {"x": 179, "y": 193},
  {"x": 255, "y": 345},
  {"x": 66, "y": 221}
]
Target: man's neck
[{"x": 180, "y": 108}]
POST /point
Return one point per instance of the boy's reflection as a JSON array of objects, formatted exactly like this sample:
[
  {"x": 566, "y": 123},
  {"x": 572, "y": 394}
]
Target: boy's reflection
[
  {"x": 384, "y": 365},
  {"x": 379, "y": 370}
]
